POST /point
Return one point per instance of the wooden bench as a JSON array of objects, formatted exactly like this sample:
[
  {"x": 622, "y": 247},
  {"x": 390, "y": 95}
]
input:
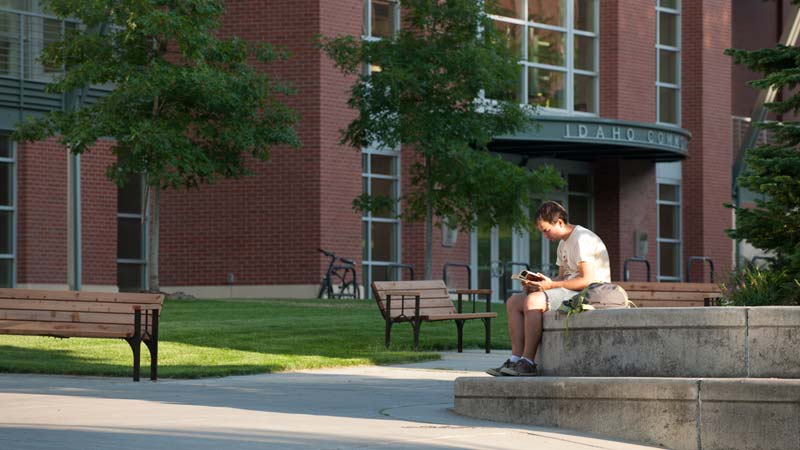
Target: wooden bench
[
  {"x": 427, "y": 301},
  {"x": 64, "y": 314},
  {"x": 648, "y": 295}
]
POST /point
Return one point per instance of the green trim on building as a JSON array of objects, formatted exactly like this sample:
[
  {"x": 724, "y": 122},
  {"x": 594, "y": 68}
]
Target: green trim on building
[{"x": 589, "y": 138}]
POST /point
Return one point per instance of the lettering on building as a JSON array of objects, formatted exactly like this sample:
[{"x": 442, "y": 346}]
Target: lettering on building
[{"x": 619, "y": 133}]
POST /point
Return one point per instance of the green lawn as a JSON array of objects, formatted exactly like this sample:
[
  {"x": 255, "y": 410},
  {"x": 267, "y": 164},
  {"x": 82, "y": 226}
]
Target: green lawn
[{"x": 202, "y": 338}]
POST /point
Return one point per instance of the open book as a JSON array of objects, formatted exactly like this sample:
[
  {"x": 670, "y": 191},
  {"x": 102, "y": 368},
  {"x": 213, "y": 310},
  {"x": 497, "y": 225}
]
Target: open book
[{"x": 527, "y": 275}]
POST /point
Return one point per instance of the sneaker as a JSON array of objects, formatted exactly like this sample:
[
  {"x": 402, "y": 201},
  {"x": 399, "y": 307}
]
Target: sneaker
[
  {"x": 498, "y": 371},
  {"x": 521, "y": 368}
]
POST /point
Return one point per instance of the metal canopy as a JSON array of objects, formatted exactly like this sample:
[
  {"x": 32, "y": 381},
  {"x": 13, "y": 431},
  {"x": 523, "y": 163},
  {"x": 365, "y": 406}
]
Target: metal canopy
[{"x": 590, "y": 138}]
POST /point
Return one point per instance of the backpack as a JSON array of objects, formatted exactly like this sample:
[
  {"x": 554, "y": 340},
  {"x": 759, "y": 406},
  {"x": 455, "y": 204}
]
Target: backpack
[
  {"x": 594, "y": 296},
  {"x": 600, "y": 296}
]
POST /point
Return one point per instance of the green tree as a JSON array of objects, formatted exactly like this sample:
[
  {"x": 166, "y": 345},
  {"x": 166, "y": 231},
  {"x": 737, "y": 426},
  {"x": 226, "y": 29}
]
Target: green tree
[
  {"x": 773, "y": 170},
  {"x": 429, "y": 96},
  {"x": 187, "y": 106}
]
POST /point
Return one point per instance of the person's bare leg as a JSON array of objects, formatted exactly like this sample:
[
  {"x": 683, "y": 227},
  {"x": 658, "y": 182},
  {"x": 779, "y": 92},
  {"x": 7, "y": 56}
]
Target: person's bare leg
[
  {"x": 535, "y": 305},
  {"x": 516, "y": 322}
]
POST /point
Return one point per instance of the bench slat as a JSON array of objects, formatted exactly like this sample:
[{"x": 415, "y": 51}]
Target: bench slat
[
  {"x": 668, "y": 303},
  {"x": 653, "y": 295},
  {"x": 69, "y": 306},
  {"x": 81, "y": 296},
  {"x": 434, "y": 299},
  {"x": 73, "y": 317},
  {"x": 668, "y": 287},
  {"x": 465, "y": 316},
  {"x": 63, "y": 329},
  {"x": 410, "y": 285}
]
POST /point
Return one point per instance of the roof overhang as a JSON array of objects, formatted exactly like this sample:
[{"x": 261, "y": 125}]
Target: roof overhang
[{"x": 590, "y": 138}]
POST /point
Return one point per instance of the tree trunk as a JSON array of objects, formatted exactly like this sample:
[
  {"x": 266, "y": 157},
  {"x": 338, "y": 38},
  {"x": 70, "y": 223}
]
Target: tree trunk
[
  {"x": 153, "y": 247},
  {"x": 429, "y": 223}
]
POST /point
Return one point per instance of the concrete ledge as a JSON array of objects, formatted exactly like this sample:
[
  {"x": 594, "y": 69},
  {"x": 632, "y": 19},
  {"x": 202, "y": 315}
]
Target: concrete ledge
[
  {"x": 773, "y": 341},
  {"x": 677, "y": 413},
  {"x": 714, "y": 342}
]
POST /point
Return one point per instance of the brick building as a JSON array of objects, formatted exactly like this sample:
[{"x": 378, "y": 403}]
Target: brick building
[{"x": 635, "y": 107}]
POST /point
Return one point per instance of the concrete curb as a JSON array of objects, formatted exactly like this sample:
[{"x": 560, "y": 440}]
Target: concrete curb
[{"x": 678, "y": 413}]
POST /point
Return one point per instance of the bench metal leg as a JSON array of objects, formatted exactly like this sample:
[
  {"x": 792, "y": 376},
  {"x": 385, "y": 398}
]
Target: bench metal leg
[
  {"x": 460, "y": 328},
  {"x": 152, "y": 345},
  {"x": 487, "y": 323},
  {"x": 416, "y": 324},
  {"x": 136, "y": 342},
  {"x": 388, "y": 333}
]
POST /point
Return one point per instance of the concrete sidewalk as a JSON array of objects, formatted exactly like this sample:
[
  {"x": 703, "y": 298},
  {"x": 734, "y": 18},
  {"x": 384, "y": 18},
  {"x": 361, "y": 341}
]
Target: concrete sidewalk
[{"x": 399, "y": 407}]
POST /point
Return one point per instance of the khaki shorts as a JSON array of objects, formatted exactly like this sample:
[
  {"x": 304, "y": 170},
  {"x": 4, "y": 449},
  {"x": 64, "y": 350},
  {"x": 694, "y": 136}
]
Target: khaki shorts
[{"x": 556, "y": 296}]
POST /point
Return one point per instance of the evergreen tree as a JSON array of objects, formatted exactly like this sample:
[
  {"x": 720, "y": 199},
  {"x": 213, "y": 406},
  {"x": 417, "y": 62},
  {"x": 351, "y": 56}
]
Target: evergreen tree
[
  {"x": 187, "y": 107},
  {"x": 429, "y": 96},
  {"x": 773, "y": 170}
]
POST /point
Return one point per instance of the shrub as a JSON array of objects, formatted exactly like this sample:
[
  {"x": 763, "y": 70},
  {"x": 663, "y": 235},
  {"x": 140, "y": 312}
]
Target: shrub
[{"x": 754, "y": 286}]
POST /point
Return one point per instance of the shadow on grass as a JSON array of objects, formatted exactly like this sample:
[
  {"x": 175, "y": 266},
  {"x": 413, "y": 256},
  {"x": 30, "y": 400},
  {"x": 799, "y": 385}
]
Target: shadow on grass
[{"x": 207, "y": 338}]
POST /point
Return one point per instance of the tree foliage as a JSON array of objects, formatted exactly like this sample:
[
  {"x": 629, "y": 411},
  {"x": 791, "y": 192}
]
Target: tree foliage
[
  {"x": 187, "y": 107},
  {"x": 773, "y": 170},
  {"x": 428, "y": 95}
]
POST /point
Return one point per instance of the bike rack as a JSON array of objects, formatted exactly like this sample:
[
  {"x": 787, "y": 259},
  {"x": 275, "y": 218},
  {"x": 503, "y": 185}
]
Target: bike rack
[
  {"x": 402, "y": 266},
  {"x": 507, "y": 270},
  {"x": 626, "y": 273},
  {"x": 692, "y": 259},
  {"x": 448, "y": 265}
]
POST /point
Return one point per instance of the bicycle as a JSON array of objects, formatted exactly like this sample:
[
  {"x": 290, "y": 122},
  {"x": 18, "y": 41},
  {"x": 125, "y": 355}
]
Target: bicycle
[{"x": 339, "y": 277}]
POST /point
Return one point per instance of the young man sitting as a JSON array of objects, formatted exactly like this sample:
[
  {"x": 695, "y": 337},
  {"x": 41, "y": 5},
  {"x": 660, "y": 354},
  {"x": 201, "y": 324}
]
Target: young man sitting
[{"x": 582, "y": 260}]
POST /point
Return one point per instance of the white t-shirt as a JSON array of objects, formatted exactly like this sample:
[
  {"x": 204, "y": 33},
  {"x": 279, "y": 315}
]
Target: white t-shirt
[{"x": 584, "y": 245}]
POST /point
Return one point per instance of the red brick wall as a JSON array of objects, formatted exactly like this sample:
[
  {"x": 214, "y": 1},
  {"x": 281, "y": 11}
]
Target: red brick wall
[
  {"x": 706, "y": 104},
  {"x": 340, "y": 166},
  {"x": 98, "y": 217},
  {"x": 627, "y": 60},
  {"x": 625, "y": 190},
  {"x": 42, "y": 209},
  {"x": 265, "y": 229},
  {"x": 42, "y": 222}
]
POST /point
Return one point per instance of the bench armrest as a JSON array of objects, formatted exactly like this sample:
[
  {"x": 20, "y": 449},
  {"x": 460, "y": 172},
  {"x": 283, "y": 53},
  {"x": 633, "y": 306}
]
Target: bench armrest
[
  {"x": 474, "y": 291},
  {"x": 486, "y": 292}
]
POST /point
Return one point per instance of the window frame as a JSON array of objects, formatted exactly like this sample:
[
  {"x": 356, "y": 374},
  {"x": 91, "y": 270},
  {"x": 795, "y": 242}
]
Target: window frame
[
  {"x": 676, "y": 182},
  {"x": 677, "y": 50},
  {"x": 367, "y": 263},
  {"x": 12, "y": 208},
  {"x": 143, "y": 262},
  {"x": 368, "y": 220},
  {"x": 568, "y": 69}
]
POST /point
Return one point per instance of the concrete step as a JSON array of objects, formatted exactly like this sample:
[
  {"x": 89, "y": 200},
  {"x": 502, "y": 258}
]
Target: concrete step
[
  {"x": 676, "y": 413},
  {"x": 674, "y": 342}
]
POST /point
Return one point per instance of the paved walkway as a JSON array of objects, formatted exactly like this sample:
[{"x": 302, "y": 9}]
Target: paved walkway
[{"x": 399, "y": 407}]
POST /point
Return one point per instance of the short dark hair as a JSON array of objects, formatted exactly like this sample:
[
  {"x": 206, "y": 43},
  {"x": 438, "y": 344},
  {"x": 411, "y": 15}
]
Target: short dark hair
[{"x": 550, "y": 212}]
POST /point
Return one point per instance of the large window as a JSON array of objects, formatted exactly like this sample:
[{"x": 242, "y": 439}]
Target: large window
[
  {"x": 668, "y": 62},
  {"x": 131, "y": 237},
  {"x": 668, "y": 176},
  {"x": 25, "y": 30},
  {"x": 380, "y": 169},
  {"x": 381, "y": 228},
  {"x": 558, "y": 48},
  {"x": 8, "y": 195}
]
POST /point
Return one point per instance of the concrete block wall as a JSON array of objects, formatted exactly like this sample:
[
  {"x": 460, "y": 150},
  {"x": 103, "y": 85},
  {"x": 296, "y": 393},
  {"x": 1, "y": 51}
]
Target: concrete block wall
[
  {"x": 752, "y": 342},
  {"x": 676, "y": 413}
]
